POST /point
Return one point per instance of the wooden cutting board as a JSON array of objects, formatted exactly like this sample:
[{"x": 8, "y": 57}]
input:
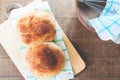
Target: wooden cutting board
[{"x": 8, "y": 41}]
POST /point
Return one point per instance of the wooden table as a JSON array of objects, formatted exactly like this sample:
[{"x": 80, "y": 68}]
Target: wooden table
[{"x": 102, "y": 58}]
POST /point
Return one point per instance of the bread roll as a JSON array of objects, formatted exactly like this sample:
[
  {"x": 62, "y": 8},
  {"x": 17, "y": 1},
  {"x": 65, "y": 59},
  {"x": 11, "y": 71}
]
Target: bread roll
[
  {"x": 36, "y": 26},
  {"x": 45, "y": 59}
]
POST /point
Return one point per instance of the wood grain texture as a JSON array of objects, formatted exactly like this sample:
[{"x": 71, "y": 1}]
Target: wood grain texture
[
  {"x": 76, "y": 61},
  {"x": 7, "y": 68},
  {"x": 3, "y": 53},
  {"x": 11, "y": 78},
  {"x": 102, "y": 58}
]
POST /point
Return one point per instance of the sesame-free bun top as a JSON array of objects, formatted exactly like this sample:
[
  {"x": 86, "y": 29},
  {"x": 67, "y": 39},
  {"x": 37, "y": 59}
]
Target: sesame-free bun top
[
  {"x": 36, "y": 26},
  {"x": 45, "y": 59}
]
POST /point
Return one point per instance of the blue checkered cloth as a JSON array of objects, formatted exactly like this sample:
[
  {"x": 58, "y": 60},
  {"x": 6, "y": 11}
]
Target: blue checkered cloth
[{"x": 107, "y": 25}]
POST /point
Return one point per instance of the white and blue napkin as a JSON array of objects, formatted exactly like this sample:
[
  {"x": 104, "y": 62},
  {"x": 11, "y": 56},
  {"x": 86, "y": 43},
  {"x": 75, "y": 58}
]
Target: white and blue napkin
[
  {"x": 67, "y": 72},
  {"x": 107, "y": 25}
]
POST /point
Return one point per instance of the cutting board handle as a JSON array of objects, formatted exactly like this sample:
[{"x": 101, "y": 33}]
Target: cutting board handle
[{"x": 10, "y": 7}]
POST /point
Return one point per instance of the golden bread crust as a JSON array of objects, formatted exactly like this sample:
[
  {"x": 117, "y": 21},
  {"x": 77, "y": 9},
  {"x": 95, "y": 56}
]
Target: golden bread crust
[
  {"x": 45, "y": 59},
  {"x": 36, "y": 26}
]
